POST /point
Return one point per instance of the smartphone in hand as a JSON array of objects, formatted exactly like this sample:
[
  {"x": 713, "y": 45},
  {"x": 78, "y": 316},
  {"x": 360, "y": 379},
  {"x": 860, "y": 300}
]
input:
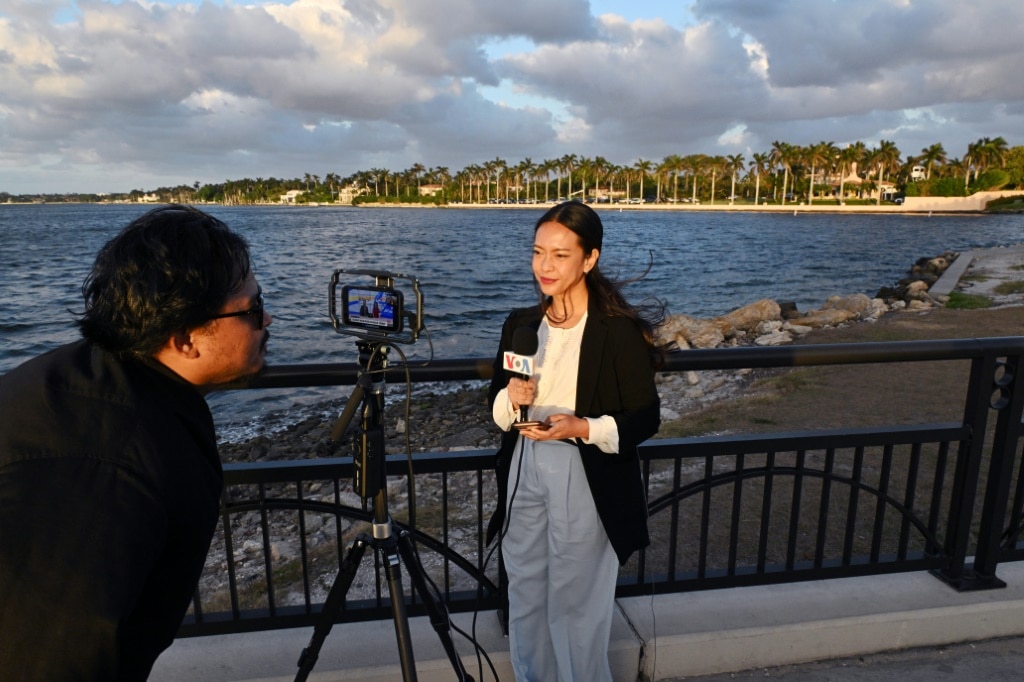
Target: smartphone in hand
[{"x": 519, "y": 426}]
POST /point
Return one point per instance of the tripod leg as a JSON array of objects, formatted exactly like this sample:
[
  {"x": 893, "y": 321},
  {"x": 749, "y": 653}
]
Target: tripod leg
[
  {"x": 335, "y": 598},
  {"x": 437, "y": 611},
  {"x": 393, "y": 571}
]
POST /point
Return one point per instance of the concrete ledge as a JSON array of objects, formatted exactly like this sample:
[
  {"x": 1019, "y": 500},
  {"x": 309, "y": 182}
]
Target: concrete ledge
[
  {"x": 738, "y": 629},
  {"x": 699, "y": 633}
]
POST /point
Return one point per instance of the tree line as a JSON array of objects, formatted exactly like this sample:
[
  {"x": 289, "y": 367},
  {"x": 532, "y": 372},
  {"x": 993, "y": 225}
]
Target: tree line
[{"x": 784, "y": 173}]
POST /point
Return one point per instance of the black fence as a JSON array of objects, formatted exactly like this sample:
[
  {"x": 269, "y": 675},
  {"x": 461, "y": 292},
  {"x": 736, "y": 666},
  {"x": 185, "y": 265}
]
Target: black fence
[{"x": 725, "y": 510}]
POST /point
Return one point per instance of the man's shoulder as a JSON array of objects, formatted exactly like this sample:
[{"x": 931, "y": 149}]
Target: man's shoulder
[
  {"x": 44, "y": 367},
  {"x": 82, "y": 401}
]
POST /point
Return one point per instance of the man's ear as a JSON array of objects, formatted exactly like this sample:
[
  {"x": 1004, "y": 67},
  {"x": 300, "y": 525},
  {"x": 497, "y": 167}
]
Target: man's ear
[{"x": 182, "y": 345}]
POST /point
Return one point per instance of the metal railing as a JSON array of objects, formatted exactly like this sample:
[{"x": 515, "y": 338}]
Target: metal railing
[{"x": 725, "y": 510}]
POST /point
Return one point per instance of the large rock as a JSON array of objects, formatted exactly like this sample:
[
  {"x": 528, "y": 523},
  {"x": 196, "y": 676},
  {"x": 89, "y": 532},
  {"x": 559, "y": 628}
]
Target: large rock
[
  {"x": 751, "y": 315},
  {"x": 817, "y": 319},
  {"x": 775, "y": 338},
  {"x": 916, "y": 291},
  {"x": 864, "y": 307},
  {"x": 859, "y": 304},
  {"x": 690, "y": 332}
]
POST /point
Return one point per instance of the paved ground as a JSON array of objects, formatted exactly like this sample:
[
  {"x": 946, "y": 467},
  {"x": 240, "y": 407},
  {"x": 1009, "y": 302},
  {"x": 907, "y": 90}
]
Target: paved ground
[{"x": 998, "y": 659}]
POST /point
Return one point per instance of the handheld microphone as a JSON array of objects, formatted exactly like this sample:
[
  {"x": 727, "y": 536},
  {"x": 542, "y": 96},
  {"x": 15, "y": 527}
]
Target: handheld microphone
[{"x": 519, "y": 361}]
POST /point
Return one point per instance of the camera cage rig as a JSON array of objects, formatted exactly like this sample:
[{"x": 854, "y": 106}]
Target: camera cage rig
[{"x": 388, "y": 323}]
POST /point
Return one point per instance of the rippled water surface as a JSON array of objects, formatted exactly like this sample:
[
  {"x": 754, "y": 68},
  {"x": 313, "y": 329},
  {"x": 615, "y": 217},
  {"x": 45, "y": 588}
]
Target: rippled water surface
[{"x": 473, "y": 265}]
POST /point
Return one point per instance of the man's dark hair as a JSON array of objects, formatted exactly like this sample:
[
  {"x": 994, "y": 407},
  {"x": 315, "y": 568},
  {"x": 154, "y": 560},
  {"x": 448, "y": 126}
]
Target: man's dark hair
[{"x": 170, "y": 270}]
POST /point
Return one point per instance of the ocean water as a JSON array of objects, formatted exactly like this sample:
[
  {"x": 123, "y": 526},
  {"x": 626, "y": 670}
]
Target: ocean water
[{"x": 473, "y": 265}]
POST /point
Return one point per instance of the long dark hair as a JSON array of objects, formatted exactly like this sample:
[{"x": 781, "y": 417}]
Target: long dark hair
[
  {"x": 607, "y": 293},
  {"x": 169, "y": 270}
]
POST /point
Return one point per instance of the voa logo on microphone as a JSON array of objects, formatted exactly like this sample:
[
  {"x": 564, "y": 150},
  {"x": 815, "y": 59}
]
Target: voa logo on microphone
[{"x": 520, "y": 364}]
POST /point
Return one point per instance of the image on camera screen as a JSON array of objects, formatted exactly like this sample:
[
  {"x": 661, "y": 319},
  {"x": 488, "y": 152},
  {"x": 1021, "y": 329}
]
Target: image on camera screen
[{"x": 373, "y": 308}]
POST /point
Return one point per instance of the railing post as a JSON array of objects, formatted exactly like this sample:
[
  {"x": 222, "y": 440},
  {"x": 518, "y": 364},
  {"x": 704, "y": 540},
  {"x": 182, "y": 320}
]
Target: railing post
[
  {"x": 965, "y": 481},
  {"x": 1008, "y": 400}
]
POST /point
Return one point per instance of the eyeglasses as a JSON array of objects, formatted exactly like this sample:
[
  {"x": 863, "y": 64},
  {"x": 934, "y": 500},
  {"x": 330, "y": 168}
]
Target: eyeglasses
[{"x": 256, "y": 312}]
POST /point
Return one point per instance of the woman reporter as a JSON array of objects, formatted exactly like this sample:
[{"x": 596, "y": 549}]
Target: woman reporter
[{"x": 572, "y": 505}]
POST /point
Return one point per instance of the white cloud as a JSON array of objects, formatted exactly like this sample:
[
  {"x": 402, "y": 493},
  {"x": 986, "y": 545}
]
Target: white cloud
[{"x": 105, "y": 96}]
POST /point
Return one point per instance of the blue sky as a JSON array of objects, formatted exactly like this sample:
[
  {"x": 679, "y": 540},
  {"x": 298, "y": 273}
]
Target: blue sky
[{"x": 103, "y": 96}]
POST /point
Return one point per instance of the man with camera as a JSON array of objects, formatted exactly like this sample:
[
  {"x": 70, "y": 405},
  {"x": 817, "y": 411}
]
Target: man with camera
[{"x": 110, "y": 480}]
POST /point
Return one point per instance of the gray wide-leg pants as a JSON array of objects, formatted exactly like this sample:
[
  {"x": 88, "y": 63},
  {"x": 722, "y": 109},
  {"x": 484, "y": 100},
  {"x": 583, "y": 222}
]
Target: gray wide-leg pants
[{"x": 561, "y": 569}]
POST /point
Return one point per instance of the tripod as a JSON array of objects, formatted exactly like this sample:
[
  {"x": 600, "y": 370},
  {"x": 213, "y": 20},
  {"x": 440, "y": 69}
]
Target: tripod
[{"x": 371, "y": 483}]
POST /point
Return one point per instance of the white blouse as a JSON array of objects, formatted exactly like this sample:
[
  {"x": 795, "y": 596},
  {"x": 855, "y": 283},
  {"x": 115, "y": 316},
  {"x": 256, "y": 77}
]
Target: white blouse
[{"x": 556, "y": 367}]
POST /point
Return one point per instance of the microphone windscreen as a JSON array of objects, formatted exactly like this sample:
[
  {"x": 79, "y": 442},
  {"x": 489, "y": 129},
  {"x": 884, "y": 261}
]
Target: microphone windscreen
[{"x": 524, "y": 341}]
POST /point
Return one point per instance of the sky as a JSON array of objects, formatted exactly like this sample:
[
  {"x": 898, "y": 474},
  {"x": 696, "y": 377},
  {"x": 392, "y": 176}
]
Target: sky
[{"x": 111, "y": 96}]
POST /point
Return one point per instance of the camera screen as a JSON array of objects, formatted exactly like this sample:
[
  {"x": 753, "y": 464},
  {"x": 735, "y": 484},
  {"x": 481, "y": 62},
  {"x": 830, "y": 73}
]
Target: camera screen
[{"x": 373, "y": 308}]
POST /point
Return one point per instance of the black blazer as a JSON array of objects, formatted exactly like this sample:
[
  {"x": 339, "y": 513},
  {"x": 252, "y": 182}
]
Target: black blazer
[{"x": 616, "y": 377}]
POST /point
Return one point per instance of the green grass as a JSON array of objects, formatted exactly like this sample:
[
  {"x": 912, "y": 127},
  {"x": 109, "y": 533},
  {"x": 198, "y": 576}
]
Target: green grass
[
  {"x": 962, "y": 301},
  {"x": 1009, "y": 288}
]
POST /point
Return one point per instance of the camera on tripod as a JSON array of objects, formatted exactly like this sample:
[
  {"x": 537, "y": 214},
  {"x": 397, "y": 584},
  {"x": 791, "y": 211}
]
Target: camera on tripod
[
  {"x": 377, "y": 311},
  {"x": 377, "y": 315}
]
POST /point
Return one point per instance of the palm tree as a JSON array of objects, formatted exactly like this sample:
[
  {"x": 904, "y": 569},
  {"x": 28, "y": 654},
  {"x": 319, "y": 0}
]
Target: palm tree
[
  {"x": 663, "y": 170},
  {"x": 734, "y": 163},
  {"x": 930, "y": 156},
  {"x": 527, "y": 168},
  {"x": 849, "y": 157},
  {"x": 674, "y": 166},
  {"x": 442, "y": 176},
  {"x": 494, "y": 168},
  {"x": 602, "y": 167},
  {"x": 696, "y": 164},
  {"x": 886, "y": 157},
  {"x": 761, "y": 164},
  {"x": 782, "y": 155},
  {"x": 569, "y": 162},
  {"x": 716, "y": 164},
  {"x": 644, "y": 168},
  {"x": 331, "y": 179},
  {"x": 988, "y": 152},
  {"x": 416, "y": 171},
  {"x": 584, "y": 166},
  {"x": 478, "y": 176},
  {"x": 544, "y": 169},
  {"x": 617, "y": 172},
  {"x": 954, "y": 167},
  {"x": 377, "y": 174},
  {"x": 816, "y": 155}
]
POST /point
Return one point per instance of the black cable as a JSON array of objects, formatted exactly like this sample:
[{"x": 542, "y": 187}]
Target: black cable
[{"x": 497, "y": 545}]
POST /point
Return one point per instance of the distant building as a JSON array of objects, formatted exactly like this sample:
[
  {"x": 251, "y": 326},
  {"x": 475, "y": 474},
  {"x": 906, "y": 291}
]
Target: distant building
[
  {"x": 430, "y": 190},
  {"x": 290, "y": 196},
  {"x": 918, "y": 173},
  {"x": 347, "y": 194}
]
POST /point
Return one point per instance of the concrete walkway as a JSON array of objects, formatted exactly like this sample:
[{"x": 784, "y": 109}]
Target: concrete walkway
[{"x": 669, "y": 637}]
